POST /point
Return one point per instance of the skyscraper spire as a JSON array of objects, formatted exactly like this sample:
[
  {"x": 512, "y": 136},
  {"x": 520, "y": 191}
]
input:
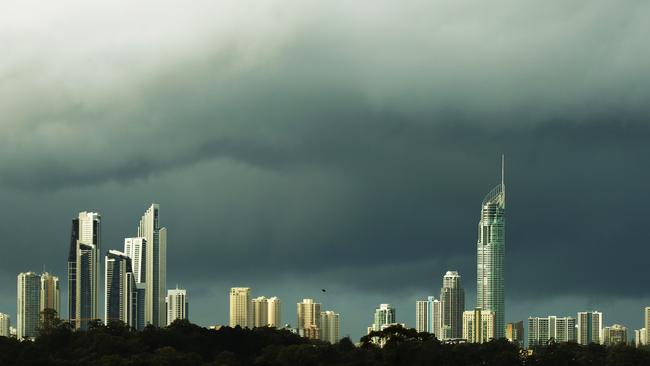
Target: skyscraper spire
[
  {"x": 503, "y": 169},
  {"x": 503, "y": 177}
]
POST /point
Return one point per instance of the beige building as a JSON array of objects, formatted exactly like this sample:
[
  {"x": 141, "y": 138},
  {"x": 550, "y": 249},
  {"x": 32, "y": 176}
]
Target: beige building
[
  {"x": 329, "y": 322},
  {"x": 50, "y": 293},
  {"x": 5, "y": 325},
  {"x": 616, "y": 334},
  {"x": 646, "y": 324},
  {"x": 274, "y": 318},
  {"x": 590, "y": 327},
  {"x": 241, "y": 307},
  {"x": 478, "y": 325},
  {"x": 639, "y": 337},
  {"x": 260, "y": 311},
  {"x": 309, "y": 318}
]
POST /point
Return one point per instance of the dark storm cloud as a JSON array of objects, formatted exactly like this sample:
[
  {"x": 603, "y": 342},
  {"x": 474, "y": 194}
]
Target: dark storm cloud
[{"x": 342, "y": 143}]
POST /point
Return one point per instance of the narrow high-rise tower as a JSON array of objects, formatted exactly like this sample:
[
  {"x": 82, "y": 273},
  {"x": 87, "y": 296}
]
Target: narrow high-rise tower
[
  {"x": 120, "y": 295},
  {"x": 50, "y": 293},
  {"x": 452, "y": 299},
  {"x": 309, "y": 319},
  {"x": 177, "y": 305},
  {"x": 241, "y": 307},
  {"x": 28, "y": 305},
  {"x": 155, "y": 266},
  {"x": 136, "y": 249},
  {"x": 490, "y": 257},
  {"x": 274, "y": 317},
  {"x": 85, "y": 238}
]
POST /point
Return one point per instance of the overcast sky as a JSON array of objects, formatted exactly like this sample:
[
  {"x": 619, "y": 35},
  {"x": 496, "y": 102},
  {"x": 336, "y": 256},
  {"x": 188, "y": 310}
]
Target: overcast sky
[{"x": 300, "y": 145}]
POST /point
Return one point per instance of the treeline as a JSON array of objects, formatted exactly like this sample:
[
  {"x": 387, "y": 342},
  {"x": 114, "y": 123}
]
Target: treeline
[{"x": 184, "y": 343}]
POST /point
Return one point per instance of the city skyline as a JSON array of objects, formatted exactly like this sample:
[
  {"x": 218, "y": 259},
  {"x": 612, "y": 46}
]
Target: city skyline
[
  {"x": 435, "y": 316},
  {"x": 291, "y": 154}
]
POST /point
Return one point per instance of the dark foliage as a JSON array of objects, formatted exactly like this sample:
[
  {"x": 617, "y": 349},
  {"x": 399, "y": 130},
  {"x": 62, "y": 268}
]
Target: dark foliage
[{"x": 186, "y": 344}]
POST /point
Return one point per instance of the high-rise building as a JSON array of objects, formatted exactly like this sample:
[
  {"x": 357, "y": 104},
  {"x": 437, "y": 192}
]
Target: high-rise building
[
  {"x": 329, "y": 322},
  {"x": 136, "y": 249},
  {"x": 155, "y": 266},
  {"x": 478, "y": 325},
  {"x": 241, "y": 307},
  {"x": 490, "y": 285},
  {"x": 120, "y": 293},
  {"x": 646, "y": 314},
  {"x": 640, "y": 337},
  {"x": 385, "y": 314},
  {"x": 515, "y": 332},
  {"x": 616, "y": 334},
  {"x": 86, "y": 291},
  {"x": 551, "y": 328},
  {"x": 309, "y": 318},
  {"x": 590, "y": 327},
  {"x": 428, "y": 316},
  {"x": 452, "y": 298},
  {"x": 274, "y": 318},
  {"x": 260, "y": 311},
  {"x": 28, "y": 305},
  {"x": 86, "y": 232},
  {"x": 5, "y": 325},
  {"x": 422, "y": 315},
  {"x": 50, "y": 293},
  {"x": 177, "y": 305}
]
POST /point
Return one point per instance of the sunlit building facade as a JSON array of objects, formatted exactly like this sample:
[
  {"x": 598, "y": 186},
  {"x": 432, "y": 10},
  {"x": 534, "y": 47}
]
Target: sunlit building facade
[
  {"x": 329, "y": 324},
  {"x": 590, "y": 327},
  {"x": 28, "y": 305},
  {"x": 542, "y": 330},
  {"x": 478, "y": 325},
  {"x": 452, "y": 299},
  {"x": 241, "y": 307},
  {"x": 155, "y": 266},
  {"x": 490, "y": 284}
]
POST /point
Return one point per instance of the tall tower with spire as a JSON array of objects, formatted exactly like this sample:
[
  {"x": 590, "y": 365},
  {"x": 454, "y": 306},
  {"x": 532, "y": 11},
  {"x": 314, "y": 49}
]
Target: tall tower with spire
[{"x": 490, "y": 287}]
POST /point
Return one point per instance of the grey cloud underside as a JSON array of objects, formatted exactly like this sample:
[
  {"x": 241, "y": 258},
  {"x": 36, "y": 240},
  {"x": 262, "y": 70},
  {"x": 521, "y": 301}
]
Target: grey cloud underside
[{"x": 352, "y": 155}]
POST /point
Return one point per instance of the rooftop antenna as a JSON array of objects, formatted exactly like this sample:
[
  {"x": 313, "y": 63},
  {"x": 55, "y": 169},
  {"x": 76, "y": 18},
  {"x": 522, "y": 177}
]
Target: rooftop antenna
[{"x": 503, "y": 180}]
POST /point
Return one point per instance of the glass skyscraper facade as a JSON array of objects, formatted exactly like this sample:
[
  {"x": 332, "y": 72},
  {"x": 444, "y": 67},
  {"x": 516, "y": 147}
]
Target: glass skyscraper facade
[{"x": 490, "y": 255}]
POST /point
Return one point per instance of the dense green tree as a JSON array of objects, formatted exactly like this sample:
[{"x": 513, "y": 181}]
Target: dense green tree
[{"x": 183, "y": 343}]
